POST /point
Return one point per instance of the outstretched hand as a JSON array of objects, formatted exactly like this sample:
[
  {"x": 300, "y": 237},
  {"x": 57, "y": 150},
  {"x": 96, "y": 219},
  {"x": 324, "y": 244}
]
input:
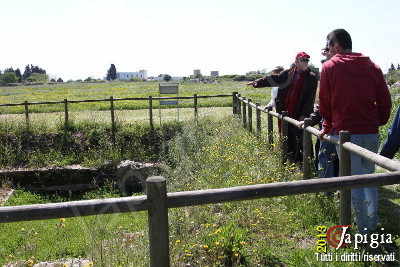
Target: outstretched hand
[
  {"x": 251, "y": 83},
  {"x": 321, "y": 135}
]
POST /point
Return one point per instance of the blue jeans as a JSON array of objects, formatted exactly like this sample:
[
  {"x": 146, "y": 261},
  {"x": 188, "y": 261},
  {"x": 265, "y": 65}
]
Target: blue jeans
[
  {"x": 327, "y": 160},
  {"x": 364, "y": 200}
]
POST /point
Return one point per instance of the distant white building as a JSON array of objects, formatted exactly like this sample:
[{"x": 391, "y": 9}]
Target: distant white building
[
  {"x": 141, "y": 74},
  {"x": 196, "y": 73},
  {"x": 214, "y": 73}
]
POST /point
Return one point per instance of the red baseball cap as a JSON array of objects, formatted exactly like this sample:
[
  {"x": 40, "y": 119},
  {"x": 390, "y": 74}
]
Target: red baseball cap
[{"x": 302, "y": 55}]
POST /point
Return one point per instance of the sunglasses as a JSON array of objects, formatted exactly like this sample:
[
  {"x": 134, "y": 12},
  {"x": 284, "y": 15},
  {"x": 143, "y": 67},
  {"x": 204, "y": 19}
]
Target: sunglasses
[{"x": 304, "y": 60}]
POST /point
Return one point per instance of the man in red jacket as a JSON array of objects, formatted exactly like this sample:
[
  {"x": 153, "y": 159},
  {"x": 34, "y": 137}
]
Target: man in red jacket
[
  {"x": 354, "y": 97},
  {"x": 296, "y": 93}
]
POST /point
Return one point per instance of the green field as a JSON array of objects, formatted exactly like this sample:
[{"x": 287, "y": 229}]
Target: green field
[{"x": 83, "y": 91}]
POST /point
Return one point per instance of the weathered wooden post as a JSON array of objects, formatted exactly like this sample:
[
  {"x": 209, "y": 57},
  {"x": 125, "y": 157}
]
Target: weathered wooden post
[
  {"x": 244, "y": 116},
  {"x": 151, "y": 113},
  {"x": 234, "y": 103},
  {"x": 258, "y": 119},
  {"x": 239, "y": 107},
  {"x": 66, "y": 115},
  {"x": 344, "y": 170},
  {"x": 250, "y": 114},
  {"x": 307, "y": 150},
  {"x": 112, "y": 119},
  {"x": 26, "y": 115},
  {"x": 196, "y": 114},
  {"x": 270, "y": 128},
  {"x": 284, "y": 136},
  {"x": 158, "y": 221}
]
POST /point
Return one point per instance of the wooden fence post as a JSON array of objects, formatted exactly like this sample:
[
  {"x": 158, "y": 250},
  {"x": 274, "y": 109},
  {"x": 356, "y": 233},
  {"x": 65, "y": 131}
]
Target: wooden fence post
[
  {"x": 250, "y": 114},
  {"x": 26, "y": 115},
  {"x": 151, "y": 113},
  {"x": 112, "y": 119},
  {"x": 344, "y": 170},
  {"x": 284, "y": 136},
  {"x": 196, "y": 114},
  {"x": 258, "y": 119},
  {"x": 239, "y": 107},
  {"x": 158, "y": 221},
  {"x": 244, "y": 116},
  {"x": 234, "y": 103},
  {"x": 307, "y": 150},
  {"x": 270, "y": 128},
  {"x": 66, "y": 116}
]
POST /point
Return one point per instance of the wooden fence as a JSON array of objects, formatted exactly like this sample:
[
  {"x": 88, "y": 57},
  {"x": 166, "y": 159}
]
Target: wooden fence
[
  {"x": 157, "y": 201},
  {"x": 112, "y": 100}
]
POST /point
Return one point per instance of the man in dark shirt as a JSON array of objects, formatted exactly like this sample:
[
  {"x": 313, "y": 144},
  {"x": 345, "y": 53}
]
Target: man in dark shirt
[{"x": 296, "y": 93}]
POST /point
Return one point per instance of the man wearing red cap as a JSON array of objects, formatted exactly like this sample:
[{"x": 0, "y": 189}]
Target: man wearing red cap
[{"x": 297, "y": 87}]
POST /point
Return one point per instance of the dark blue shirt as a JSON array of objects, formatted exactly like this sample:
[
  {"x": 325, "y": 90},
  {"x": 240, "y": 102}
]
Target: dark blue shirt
[{"x": 392, "y": 143}]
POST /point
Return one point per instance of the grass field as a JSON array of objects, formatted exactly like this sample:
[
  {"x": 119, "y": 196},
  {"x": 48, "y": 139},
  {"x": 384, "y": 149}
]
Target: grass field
[
  {"x": 54, "y": 119},
  {"x": 82, "y": 91}
]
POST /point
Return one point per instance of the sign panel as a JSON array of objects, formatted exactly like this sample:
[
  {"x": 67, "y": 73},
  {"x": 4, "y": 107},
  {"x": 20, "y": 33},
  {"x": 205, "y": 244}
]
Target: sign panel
[
  {"x": 168, "y": 102},
  {"x": 168, "y": 88}
]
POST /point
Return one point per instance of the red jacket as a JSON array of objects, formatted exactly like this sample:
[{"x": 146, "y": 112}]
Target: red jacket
[{"x": 353, "y": 95}]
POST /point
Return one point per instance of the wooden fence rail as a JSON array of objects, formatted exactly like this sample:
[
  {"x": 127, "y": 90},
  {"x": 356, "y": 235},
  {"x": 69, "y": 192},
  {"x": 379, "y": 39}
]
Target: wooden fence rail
[{"x": 157, "y": 202}]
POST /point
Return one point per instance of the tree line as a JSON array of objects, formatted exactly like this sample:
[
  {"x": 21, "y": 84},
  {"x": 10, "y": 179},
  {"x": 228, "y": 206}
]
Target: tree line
[
  {"x": 393, "y": 74},
  {"x": 31, "y": 74}
]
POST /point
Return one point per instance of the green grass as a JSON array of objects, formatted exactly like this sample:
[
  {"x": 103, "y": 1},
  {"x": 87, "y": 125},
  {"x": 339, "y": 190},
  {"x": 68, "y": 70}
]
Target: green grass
[
  {"x": 214, "y": 154},
  {"x": 81, "y": 91},
  {"x": 55, "y": 119},
  {"x": 87, "y": 143}
]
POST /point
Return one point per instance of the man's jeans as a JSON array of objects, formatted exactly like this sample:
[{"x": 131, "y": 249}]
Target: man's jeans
[
  {"x": 364, "y": 200},
  {"x": 327, "y": 160}
]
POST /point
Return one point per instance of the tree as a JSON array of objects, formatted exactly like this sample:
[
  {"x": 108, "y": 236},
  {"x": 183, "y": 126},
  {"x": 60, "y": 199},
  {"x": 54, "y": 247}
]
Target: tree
[
  {"x": 8, "y": 77},
  {"x": 167, "y": 77},
  {"x": 18, "y": 74},
  {"x": 53, "y": 80},
  {"x": 37, "y": 77},
  {"x": 59, "y": 80},
  {"x": 392, "y": 68},
  {"x": 30, "y": 69},
  {"x": 27, "y": 72},
  {"x": 9, "y": 70},
  {"x": 111, "y": 73}
]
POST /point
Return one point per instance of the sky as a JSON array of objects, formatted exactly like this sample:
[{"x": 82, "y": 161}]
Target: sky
[{"x": 76, "y": 39}]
